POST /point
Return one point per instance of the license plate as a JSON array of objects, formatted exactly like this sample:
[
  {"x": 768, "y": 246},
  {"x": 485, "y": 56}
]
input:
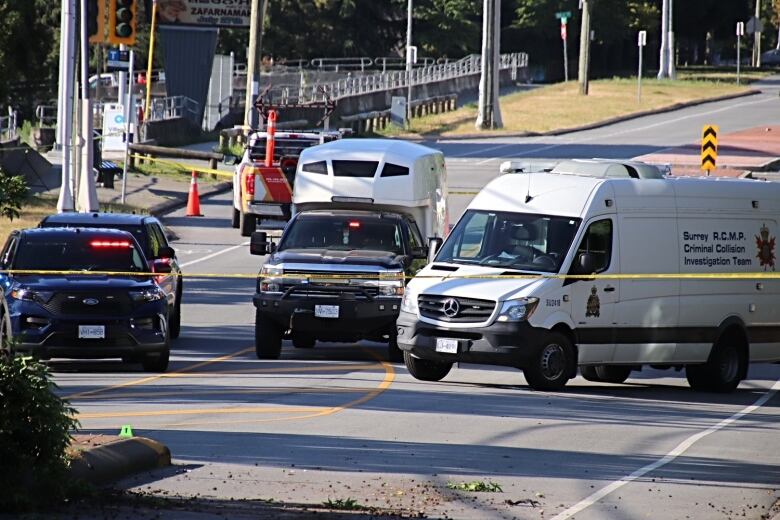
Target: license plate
[
  {"x": 448, "y": 346},
  {"x": 326, "y": 311},
  {"x": 92, "y": 331}
]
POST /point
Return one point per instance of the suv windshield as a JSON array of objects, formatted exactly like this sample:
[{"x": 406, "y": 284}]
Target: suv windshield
[
  {"x": 76, "y": 253},
  {"x": 344, "y": 232},
  {"x": 510, "y": 240}
]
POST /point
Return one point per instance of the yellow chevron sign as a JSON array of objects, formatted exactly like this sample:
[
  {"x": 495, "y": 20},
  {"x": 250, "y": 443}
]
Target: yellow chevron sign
[{"x": 709, "y": 147}]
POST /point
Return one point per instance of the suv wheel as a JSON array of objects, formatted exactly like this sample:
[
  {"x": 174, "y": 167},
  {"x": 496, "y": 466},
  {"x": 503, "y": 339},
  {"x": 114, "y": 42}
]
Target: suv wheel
[
  {"x": 157, "y": 362},
  {"x": 235, "y": 221},
  {"x": 426, "y": 370},
  {"x": 5, "y": 336},
  {"x": 247, "y": 224},
  {"x": 551, "y": 367},
  {"x": 268, "y": 338},
  {"x": 175, "y": 321}
]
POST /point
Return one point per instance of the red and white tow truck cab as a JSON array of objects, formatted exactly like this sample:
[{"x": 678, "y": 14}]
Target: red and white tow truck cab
[{"x": 264, "y": 178}]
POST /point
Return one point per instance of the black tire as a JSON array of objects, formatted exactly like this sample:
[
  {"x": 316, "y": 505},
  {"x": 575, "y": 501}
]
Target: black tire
[
  {"x": 157, "y": 362},
  {"x": 268, "y": 338},
  {"x": 394, "y": 354},
  {"x": 426, "y": 370},
  {"x": 235, "y": 220},
  {"x": 175, "y": 323},
  {"x": 4, "y": 334},
  {"x": 589, "y": 373},
  {"x": 612, "y": 373},
  {"x": 725, "y": 368},
  {"x": 303, "y": 341},
  {"x": 553, "y": 364},
  {"x": 247, "y": 224}
]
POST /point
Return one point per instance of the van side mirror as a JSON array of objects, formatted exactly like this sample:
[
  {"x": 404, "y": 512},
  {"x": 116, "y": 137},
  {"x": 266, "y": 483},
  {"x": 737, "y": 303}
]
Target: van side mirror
[
  {"x": 259, "y": 244},
  {"x": 434, "y": 243},
  {"x": 166, "y": 252},
  {"x": 230, "y": 159},
  {"x": 586, "y": 264}
]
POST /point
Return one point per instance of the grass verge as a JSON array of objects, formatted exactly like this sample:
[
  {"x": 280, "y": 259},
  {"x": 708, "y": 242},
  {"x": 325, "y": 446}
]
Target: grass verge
[{"x": 560, "y": 106}]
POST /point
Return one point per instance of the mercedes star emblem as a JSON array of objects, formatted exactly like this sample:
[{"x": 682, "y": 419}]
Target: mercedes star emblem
[{"x": 451, "y": 307}]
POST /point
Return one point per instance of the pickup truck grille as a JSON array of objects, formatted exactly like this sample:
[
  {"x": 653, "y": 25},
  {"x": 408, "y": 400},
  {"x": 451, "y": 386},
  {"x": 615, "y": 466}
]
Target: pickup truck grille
[
  {"x": 455, "y": 310},
  {"x": 314, "y": 290}
]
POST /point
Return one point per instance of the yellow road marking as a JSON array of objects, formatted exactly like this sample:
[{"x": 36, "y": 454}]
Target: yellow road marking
[
  {"x": 159, "y": 376},
  {"x": 202, "y": 411}
]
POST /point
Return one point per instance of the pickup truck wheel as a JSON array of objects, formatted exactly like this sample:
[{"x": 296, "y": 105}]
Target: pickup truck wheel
[
  {"x": 235, "y": 221},
  {"x": 247, "y": 224},
  {"x": 426, "y": 370},
  {"x": 724, "y": 369},
  {"x": 394, "y": 354},
  {"x": 302, "y": 341},
  {"x": 551, "y": 366},
  {"x": 268, "y": 338},
  {"x": 612, "y": 374}
]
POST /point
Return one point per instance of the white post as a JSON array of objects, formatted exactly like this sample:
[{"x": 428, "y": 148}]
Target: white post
[
  {"x": 740, "y": 33},
  {"x": 65, "y": 105},
  {"x": 129, "y": 111},
  {"x": 641, "y": 42},
  {"x": 564, "y": 29},
  {"x": 121, "y": 93},
  {"x": 663, "y": 64},
  {"x": 757, "y": 37},
  {"x": 409, "y": 64},
  {"x": 87, "y": 198},
  {"x": 672, "y": 71}
]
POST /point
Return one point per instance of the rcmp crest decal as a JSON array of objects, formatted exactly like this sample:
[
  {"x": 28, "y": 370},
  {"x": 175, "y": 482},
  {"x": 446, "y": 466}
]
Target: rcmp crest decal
[
  {"x": 594, "y": 304},
  {"x": 766, "y": 249}
]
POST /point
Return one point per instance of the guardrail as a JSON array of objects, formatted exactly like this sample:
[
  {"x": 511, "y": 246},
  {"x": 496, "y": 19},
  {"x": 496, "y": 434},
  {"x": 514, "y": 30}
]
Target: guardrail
[
  {"x": 369, "y": 122},
  {"x": 149, "y": 152},
  {"x": 8, "y": 126},
  {"x": 173, "y": 107}
]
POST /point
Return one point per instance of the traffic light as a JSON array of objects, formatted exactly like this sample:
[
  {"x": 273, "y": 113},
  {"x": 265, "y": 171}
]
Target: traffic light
[
  {"x": 96, "y": 21},
  {"x": 122, "y": 18}
]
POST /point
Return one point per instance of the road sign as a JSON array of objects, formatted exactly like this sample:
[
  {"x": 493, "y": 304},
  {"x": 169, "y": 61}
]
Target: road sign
[
  {"x": 754, "y": 25},
  {"x": 740, "y": 28},
  {"x": 563, "y": 15},
  {"x": 118, "y": 60},
  {"x": 113, "y": 127},
  {"x": 709, "y": 147},
  {"x": 642, "y": 39}
]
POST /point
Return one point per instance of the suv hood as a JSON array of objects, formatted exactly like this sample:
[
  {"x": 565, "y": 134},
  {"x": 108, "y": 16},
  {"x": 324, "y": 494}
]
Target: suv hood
[
  {"x": 328, "y": 257},
  {"x": 85, "y": 282},
  {"x": 497, "y": 284}
]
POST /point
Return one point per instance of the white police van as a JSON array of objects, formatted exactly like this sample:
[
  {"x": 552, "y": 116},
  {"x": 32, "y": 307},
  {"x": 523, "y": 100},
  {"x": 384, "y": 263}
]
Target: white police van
[{"x": 498, "y": 292}]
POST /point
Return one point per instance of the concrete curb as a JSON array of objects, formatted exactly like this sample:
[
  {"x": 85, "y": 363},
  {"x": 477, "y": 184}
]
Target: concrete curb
[
  {"x": 120, "y": 459},
  {"x": 166, "y": 207},
  {"x": 598, "y": 124}
]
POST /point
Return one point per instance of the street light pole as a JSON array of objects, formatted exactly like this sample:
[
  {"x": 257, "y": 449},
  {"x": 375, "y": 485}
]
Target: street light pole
[
  {"x": 65, "y": 104},
  {"x": 663, "y": 63},
  {"x": 87, "y": 193},
  {"x": 409, "y": 64}
]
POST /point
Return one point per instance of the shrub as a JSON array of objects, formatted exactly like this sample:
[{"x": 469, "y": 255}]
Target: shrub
[
  {"x": 35, "y": 427},
  {"x": 13, "y": 191}
]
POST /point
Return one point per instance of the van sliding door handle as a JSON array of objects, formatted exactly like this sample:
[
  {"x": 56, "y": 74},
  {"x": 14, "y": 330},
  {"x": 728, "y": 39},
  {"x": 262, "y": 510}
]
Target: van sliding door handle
[{"x": 609, "y": 288}]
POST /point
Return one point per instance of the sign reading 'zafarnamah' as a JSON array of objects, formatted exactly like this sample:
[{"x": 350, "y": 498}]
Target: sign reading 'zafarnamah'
[{"x": 208, "y": 13}]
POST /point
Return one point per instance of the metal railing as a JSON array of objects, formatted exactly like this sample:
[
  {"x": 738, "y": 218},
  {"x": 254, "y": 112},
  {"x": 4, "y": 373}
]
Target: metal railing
[
  {"x": 173, "y": 107},
  {"x": 46, "y": 115},
  {"x": 388, "y": 80},
  {"x": 8, "y": 126}
]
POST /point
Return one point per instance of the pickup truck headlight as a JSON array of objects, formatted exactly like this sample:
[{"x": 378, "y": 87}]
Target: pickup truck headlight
[
  {"x": 409, "y": 303},
  {"x": 20, "y": 292},
  {"x": 147, "y": 295},
  {"x": 267, "y": 282},
  {"x": 391, "y": 288},
  {"x": 517, "y": 310}
]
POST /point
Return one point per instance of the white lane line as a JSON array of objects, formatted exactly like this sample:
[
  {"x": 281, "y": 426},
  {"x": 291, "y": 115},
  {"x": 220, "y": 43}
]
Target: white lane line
[
  {"x": 669, "y": 457},
  {"x": 212, "y": 255}
]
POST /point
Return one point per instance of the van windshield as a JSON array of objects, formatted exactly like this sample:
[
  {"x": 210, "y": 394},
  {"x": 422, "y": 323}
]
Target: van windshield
[{"x": 521, "y": 241}]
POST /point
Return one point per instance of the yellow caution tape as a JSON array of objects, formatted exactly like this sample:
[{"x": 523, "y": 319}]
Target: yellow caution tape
[
  {"x": 391, "y": 277},
  {"x": 182, "y": 166}
]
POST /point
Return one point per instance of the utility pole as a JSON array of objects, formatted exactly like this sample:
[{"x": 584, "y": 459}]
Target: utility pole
[
  {"x": 757, "y": 37},
  {"x": 582, "y": 75},
  {"x": 409, "y": 65},
  {"x": 254, "y": 64},
  {"x": 663, "y": 57},
  {"x": 489, "y": 115},
  {"x": 87, "y": 197},
  {"x": 65, "y": 101}
]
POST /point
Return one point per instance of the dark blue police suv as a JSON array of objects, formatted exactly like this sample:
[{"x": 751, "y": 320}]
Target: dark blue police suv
[{"x": 76, "y": 312}]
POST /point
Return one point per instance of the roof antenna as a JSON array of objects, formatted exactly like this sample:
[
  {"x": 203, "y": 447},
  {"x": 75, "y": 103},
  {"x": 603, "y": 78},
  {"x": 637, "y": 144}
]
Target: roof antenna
[{"x": 528, "y": 196}]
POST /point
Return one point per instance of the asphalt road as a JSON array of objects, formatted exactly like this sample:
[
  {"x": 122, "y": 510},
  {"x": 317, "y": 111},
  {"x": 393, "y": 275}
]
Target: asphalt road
[{"x": 338, "y": 421}]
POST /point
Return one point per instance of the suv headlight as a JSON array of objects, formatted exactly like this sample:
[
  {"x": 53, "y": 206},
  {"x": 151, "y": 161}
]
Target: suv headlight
[
  {"x": 409, "y": 303},
  {"x": 20, "y": 292},
  {"x": 518, "y": 310},
  {"x": 147, "y": 295}
]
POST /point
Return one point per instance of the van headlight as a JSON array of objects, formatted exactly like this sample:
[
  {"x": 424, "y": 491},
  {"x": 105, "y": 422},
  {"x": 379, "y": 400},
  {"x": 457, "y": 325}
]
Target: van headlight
[
  {"x": 409, "y": 303},
  {"x": 518, "y": 310}
]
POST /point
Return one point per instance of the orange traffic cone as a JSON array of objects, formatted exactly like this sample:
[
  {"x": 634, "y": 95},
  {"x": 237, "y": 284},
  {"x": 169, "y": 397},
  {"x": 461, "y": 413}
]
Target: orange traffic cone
[{"x": 193, "y": 200}]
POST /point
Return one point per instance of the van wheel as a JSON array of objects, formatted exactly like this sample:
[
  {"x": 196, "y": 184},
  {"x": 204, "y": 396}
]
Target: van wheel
[
  {"x": 724, "y": 369},
  {"x": 394, "y": 354},
  {"x": 235, "y": 221},
  {"x": 424, "y": 369},
  {"x": 247, "y": 224},
  {"x": 612, "y": 374},
  {"x": 268, "y": 338},
  {"x": 303, "y": 341},
  {"x": 550, "y": 369}
]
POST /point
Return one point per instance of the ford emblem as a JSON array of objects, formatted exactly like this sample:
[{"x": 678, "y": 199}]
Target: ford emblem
[{"x": 90, "y": 301}]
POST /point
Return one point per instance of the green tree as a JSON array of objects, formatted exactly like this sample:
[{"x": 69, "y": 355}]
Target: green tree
[{"x": 13, "y": 191}]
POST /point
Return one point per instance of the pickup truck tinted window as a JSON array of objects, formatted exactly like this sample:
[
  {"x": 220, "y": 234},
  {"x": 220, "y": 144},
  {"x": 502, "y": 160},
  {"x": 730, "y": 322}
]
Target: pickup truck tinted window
[{"x": 344, "y": 233}]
